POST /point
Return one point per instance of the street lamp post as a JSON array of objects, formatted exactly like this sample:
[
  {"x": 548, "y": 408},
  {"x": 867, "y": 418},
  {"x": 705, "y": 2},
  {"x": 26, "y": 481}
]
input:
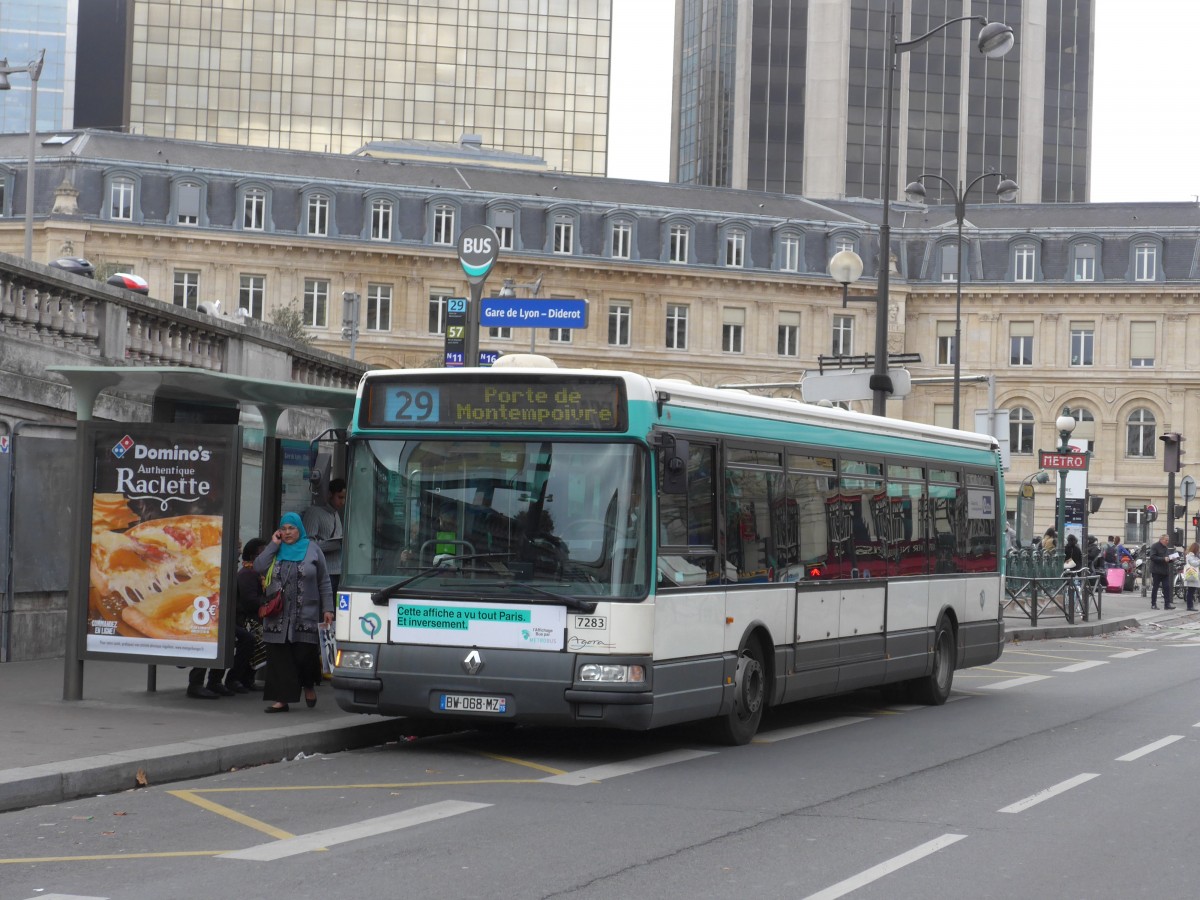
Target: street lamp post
[
  {"x": 34, "y": 70},
  {"x": 1065, "y": 424},
  {"x": 509, "y": 289},
  {"x": 1006, "y": 191},
  {"x": 846, "y": 267},
  {"x": 995, "y": 40}
]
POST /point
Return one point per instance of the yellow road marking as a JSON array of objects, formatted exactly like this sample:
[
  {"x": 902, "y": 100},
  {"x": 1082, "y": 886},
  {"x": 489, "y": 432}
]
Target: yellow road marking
[
  {"x": 111, "y": 856},
  {"x": 521, "y": 762},
  {"x": 353, "y": 787},
  {"x": 234, "y": 815}
]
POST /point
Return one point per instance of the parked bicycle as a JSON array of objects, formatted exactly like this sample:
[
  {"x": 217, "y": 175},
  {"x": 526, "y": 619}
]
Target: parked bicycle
[{"x": 1076, "y": 591}]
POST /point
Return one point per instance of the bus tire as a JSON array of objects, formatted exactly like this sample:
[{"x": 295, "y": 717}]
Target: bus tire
[
  {"x": 740, "y": 724},
  {"x": 934, "y": 688}
]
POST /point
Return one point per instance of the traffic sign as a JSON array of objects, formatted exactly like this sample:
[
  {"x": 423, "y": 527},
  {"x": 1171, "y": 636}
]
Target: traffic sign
[
  {"x": 1187, "y": 489},
  {"x": 1053, "y": 459},
  {"x": 839, "y": 386},
  {"x": 512, "y": 312}
]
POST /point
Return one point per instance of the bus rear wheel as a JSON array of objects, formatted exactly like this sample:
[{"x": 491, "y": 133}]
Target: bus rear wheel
[
  {"x": 740, "y": 724},
  {"x": 934, "y": 688}
]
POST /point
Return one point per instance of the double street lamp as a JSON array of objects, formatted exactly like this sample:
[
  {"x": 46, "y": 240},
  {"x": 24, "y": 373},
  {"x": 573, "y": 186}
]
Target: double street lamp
[
  {"x": 34, "y": 71},
  {"x": 995, "y": 40},
  {"x": 1006, "y": 191}
]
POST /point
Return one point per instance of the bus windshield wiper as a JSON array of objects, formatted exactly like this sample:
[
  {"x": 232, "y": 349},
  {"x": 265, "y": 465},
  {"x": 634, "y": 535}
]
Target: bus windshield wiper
[
  {"x": 583, "y": 606},
  {"x": 444, "y": 564}
]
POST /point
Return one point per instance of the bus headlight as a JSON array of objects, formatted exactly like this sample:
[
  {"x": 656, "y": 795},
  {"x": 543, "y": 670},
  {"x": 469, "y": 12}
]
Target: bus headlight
[
  {"x": 612, "y": 674},
  {"x": 355, "y": 659}
]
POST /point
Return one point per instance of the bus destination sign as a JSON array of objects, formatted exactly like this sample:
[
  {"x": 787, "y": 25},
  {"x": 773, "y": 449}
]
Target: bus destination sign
[{"x": 507, "y": 404}]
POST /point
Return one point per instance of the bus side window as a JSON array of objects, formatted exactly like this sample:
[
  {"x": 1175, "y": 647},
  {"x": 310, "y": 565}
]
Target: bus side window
[{"x": 688, "y": 521}]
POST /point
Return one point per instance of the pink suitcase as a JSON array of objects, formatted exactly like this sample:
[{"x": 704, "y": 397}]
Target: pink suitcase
[{"x": 1116, "y": 579}]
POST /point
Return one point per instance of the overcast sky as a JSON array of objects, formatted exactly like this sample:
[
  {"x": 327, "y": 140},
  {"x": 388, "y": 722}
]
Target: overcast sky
[{"x": 1145, "y": 136}]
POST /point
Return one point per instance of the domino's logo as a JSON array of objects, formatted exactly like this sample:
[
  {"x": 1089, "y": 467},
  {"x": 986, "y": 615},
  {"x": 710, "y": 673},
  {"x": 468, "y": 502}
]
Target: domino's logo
[{"x": 124, "y": 445}]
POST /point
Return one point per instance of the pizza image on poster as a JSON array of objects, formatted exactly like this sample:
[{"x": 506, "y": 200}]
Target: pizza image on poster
[{"x": 156, "y": 555}]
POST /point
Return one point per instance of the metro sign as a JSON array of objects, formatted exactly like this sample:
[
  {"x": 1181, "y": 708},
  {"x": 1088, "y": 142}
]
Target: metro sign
[{"x": 1074, "y": 462}]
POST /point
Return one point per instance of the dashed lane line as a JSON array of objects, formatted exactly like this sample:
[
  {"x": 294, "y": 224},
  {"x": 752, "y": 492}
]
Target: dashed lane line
[
  {"x": 1012, "y": 683},
  {"x": 1150, "y": 748},
  {"x": 853, "y": 883},
  {"x": 1054, "y": 791},
  {"x": 331, "y": 837},
  {"x": 629, "y": 767},
  {"x": 1130, "y": 654},
  {"x": 1080, "y": 666}
]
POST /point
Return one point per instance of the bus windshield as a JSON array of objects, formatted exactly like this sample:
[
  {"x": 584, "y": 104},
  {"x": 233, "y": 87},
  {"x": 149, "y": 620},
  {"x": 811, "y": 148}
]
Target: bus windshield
[{"x": 498, "y": 518}]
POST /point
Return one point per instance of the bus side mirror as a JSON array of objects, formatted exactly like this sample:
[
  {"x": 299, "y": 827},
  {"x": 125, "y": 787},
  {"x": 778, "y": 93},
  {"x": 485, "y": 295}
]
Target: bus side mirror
[{"x": 674, "y": 464}]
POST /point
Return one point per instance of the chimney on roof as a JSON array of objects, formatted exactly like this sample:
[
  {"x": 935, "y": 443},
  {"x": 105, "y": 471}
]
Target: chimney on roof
[{"x": 471, "y": 141}]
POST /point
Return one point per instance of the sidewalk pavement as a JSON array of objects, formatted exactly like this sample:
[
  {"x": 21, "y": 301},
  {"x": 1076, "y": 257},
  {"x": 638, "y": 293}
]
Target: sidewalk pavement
[{"x": 53, "y": 750}]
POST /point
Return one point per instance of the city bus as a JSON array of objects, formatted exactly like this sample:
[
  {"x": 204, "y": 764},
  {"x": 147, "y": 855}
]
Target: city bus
[{"x": 535, "y": 545}]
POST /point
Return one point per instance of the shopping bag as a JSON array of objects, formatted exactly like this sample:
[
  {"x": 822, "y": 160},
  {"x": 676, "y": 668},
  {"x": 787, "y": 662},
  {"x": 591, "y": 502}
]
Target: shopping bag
[{"x": 328, "y": 650}]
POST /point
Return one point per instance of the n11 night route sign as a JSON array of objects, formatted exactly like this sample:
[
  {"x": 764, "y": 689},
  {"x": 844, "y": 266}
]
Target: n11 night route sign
[{"x": 1074, "y": 462}]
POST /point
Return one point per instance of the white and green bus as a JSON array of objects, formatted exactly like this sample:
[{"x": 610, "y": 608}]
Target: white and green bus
[{"x": 597, "y": 548}]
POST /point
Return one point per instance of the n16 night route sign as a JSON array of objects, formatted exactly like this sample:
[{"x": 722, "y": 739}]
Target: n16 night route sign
[{"x": 1074, "y": 462}]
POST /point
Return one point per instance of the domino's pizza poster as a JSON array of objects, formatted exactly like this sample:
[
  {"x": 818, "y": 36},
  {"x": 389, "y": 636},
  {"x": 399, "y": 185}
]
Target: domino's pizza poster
[{"x": 160, "y": 511}]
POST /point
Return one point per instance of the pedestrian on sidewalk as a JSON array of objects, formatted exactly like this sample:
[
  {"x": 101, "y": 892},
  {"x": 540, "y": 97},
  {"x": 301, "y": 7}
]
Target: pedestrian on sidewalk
[
  {"x": 1161, "y": 555},
  {"x": 249, "y": 598},
  {"x": 323, "y": 522},
  {"x": 297, "y": 570},
  {"x": 1191, "y": 574}
]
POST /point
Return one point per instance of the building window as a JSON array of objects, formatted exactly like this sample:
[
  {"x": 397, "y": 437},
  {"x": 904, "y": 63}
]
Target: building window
[
  {"x": 437, "y": 311},
  {"x": 1085, "y": 262},
  {"x": 733, "y": 330},
  {"x": 1020, "y": 344},
  {"x": 677, "y": 321},
  {"x": 1145, "y": 262},
  {"x": 318, "y": 215},
  {"x": 1085, "y": 423},
  {"x": 943, "y": 415},
  {"x": 121, "y": 199},
  {"x": 620, "y": 317},
  {"x": 252, "y": 295},
  {"x": 379, "y": 307},
  {"x": 560, "y": 335},
  {"x": 564, "y": 235},
  {"x": 1141, "y": 345},
  {"x": 254, "y": 210},
  {"x": 503, "y": 333},
  {"x": 843, "y": 335},
  {"x": 1020, "y": 431},
  {"x": 945, "y": 344},
  {"x": 622, "y": 240},
  {"x": 679, "y": 244},
  {"x": 381, "y": 220},
  {"x": 843, "y": 243},
  {"x": 187, "y": 289},
  {"x": 187, "y": 202},
  {"x": 789, "y": 254},
  {"x": 788, "y": 335},
  {"x": 735, "y": 249},
  {"x": 1083, "y": 342},
  {"x": 503, "y": 223},
  {"x": 443, "y": 224},
  {"x": 1024, "y": 263},
  {"x": 1139, "y": 434},
  {"x": 950, "y": 262},
  {"x": 316, "y": 302}
]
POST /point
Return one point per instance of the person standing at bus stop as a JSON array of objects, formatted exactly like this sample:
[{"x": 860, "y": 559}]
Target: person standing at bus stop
[
  {"x": 297, "y": 571},
  {"x": 1161, "y": 554},
  {"x": 323, "y": 522}
]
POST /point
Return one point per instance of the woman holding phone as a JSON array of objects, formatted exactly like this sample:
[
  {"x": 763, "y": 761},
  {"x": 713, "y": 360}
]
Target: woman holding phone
[{"x": 297, "y": 570}]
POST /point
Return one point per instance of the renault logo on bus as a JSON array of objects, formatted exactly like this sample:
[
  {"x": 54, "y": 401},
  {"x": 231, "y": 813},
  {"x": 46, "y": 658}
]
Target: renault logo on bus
[
  {"x": 473, "y": 663},
  {"x": 478, "y": 248}
]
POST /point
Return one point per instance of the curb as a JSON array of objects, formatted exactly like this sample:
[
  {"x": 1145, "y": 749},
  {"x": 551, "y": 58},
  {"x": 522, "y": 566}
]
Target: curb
[
  {"x": 114, "y": 772},
  {"x": 1050, "y": 632}
]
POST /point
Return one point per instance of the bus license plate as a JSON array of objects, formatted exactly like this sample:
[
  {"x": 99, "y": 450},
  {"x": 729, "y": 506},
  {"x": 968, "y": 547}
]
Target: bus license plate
[{"x": 473, "y": 703}]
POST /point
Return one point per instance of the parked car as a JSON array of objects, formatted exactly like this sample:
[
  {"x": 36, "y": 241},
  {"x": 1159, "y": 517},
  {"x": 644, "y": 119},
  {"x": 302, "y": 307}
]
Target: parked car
[
  {"x": 135, "y": 283},
  {"x": 76, "y": 265}
]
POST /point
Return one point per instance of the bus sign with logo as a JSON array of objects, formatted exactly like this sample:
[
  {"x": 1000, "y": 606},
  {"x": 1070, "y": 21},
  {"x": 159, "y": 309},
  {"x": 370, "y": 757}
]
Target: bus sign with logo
[{"x": 1071, "y": 462}]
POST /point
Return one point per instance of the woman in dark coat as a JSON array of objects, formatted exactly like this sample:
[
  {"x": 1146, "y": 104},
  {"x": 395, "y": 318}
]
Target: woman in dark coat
[{"x": 291, "y": 635}]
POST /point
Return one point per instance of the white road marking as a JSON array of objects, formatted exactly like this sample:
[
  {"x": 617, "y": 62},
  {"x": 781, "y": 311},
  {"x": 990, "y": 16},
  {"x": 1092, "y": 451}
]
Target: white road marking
[
  {"x": 1013, "y": 682},
  {"x": 1080, "y": 666},
  {"x": 305, "y": 843},
  {"x": 1129, "y": 654},
  {"x": 1150, "y": 748},
  {"x": 784, "y": 734},
  {"x": 615, "y": 770},
  {"x": 842, "y": 888},
  {"x": 65, "y": 897},
  {"x": 1035, "y": 799}
]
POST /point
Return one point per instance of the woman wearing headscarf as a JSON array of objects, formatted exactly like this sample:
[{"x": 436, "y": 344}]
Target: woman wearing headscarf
[{"x": 297, "y": 569}]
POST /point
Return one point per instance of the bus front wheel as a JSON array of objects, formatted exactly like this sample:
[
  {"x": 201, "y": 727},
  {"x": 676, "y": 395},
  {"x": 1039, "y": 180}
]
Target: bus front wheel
[
  {"x": 740, "y": 724},
  {"x": 934, "y": 688}
]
